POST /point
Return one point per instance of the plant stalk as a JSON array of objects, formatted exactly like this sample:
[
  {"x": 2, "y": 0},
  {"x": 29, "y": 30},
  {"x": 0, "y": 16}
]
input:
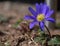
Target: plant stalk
[
  {"x": 48, "y": 31},
  {"x": 46, "y": 44}
]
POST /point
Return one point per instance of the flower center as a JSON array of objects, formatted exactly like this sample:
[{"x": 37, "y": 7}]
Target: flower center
[{"x": 40, "y": 17}]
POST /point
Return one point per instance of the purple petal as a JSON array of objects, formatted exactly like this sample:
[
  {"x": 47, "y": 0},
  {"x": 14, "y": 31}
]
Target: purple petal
[
  {"x": 37, "y": 7},
  {"x": 28, "y": 17},
  {"x": 41, "y": 25},
  {"x": 41, "y": 8},
  {"x": 49, "y": 13},
  {"x": 44, "y": 9},
  {"x": 32, "y": 11},
  {"x": 32, "y": 24},
  {"x": 50, "y": 19},
  {"x": 47, "y": 9}
]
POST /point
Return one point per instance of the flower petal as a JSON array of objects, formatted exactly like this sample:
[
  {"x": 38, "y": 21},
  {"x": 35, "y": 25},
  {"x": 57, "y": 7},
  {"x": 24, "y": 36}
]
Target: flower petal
[
  {"x": 49, "y": 13},
  {"x": 47, "y": 9},
  {"x": 32, "y": 24},
  {"x": 41, "y": 8},
  {"x": 44, "y": 9},
  {"x": 41, "y": 25},
  {"x": 27, "y": 17},
  {"x": 50, "y": 19},
  {"x": 32, "y": 11},
  {"x": 37, "y": 7}
]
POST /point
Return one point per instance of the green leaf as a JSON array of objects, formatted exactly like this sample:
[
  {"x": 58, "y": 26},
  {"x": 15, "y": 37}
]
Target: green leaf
[
  {"x": 38, "y": 39},
  {"x": 41, "y": 33},
  {"x": 54, "y": 40}
]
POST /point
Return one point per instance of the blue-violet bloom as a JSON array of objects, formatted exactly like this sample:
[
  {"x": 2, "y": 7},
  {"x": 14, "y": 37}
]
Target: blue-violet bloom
[{"x": 42, "y": 13}]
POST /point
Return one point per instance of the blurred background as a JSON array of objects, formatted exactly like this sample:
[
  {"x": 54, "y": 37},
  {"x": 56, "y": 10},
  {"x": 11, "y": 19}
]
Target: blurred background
[{"x": 19, "y": 8}]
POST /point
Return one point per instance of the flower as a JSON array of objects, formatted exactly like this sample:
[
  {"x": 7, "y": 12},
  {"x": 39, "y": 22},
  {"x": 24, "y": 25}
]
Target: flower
[{"x": 42, "y": 13}]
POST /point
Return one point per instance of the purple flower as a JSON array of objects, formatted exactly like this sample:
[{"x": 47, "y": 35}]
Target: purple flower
[{"x": 42, "y": 13}]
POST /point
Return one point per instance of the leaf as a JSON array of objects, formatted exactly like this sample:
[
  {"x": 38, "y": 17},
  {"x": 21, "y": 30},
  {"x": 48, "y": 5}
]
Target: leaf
[
  {"x": 41, "y": 33},
  {"x": 40, "y": 37},
  {"x": 54, "y": 40}
]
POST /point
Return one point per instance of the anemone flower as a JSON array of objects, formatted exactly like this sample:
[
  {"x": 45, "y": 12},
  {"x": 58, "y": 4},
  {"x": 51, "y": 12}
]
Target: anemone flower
[{"x": 40, "y": 15}]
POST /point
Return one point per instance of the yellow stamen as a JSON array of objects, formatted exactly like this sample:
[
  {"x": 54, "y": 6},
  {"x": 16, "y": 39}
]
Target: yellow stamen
[{"x": 40, "y": 17}]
